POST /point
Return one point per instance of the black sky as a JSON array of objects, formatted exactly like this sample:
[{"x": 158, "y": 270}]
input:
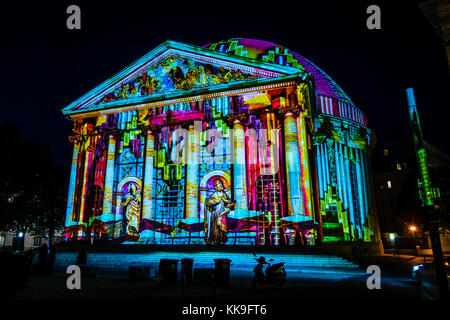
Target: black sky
[{"x": 46, "y": 66}]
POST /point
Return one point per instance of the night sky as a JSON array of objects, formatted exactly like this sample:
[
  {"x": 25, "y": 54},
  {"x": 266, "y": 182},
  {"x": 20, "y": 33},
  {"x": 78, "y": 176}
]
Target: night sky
[{"x": 45, "y": 66}]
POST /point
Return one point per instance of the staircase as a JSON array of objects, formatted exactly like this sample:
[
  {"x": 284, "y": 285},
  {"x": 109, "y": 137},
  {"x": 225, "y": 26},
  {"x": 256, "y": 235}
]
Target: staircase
[{"x": 305, "y": 263}]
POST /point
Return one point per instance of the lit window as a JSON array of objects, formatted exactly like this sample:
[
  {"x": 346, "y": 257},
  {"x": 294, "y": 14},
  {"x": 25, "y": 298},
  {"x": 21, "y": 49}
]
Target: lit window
[
  {"x": 37, "y": 241},
  {"x": 385, "y": 152},
  {"x": 399, "y": 166},
  {"x": 389, "y": 184}
]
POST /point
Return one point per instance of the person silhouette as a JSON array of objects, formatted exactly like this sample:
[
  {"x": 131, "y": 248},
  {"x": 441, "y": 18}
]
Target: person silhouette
[
  {"x": 258, "y": 271},
  {"x": 43, "y": 258}
]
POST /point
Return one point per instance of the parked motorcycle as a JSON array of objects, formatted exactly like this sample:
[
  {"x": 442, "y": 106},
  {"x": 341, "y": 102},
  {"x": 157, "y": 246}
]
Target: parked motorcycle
[{"x": 275, "y": 274}]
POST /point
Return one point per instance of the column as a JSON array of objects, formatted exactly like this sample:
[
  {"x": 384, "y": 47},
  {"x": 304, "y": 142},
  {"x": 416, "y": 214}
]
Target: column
[
  {"x": 72, "y": 184},
  {"x": 319, "y": 171},
  {"x": 84, "y": 192},
  {"x": 295, "y": 201},
  {"x": 192, "y": 173},
  {"x": 366, "y": 183},
  {"x": 348, "y": 187},
  {"x": 239, "y": 165},
  {"x": 360, "y": 187},
  {"x": 304, "y": 162},
  {"x": 107, "y": 213},
  {"x": 343, "y": 188},
  {"x": 148, "y": 179}
]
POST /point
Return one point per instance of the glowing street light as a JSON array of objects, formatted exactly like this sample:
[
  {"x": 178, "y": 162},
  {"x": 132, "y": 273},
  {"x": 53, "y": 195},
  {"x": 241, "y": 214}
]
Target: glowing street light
[
  {"x": 413, "y": 230},
  {"x": 392, "y": 237}
]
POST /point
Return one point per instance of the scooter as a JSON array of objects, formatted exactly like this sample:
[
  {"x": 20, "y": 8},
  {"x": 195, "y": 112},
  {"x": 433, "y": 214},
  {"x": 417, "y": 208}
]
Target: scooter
[{"x": 275, "y": 274}]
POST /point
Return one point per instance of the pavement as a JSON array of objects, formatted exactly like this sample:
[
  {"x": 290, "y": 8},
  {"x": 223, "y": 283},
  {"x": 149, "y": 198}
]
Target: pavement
[{"x": 298, "y": 287}]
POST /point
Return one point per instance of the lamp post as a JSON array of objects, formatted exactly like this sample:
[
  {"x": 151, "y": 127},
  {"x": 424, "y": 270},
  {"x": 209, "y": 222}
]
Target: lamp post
[
  {"x": 413, "y": 229},
  {"x": 392, "y": 238},
  {"x": 427, "y": 196},
  {"x": 20, "y": 240}
]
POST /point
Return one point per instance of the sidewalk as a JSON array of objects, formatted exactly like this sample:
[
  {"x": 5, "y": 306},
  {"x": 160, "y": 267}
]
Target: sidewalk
[
  {"x": 394, "y": 264},
  {"x": 298, "y": 287}
]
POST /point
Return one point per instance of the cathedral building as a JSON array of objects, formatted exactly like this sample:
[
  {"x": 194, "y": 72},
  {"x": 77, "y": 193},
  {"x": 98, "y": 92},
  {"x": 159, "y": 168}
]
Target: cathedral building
[{"x": 238, "y": 142}]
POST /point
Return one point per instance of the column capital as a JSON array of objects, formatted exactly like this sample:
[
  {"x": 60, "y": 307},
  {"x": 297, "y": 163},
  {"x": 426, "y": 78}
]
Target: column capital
[
  {"x": 75, "y": 138},
  {"x": 231, "y": 118},
  {"x": 152, "y": 128},
  {"x": 110, "y": 132},
  {"x": 186, "y": 124},
  {"x": 77, "y": 130},
  {"x": 293, "y": 109}
]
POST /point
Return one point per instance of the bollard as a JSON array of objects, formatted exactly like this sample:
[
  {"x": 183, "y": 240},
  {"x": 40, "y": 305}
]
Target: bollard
[
  {"x": 222, "y": 272},
  {"x": 168, "y": 270},
  {"x": 186, "y": 270}
]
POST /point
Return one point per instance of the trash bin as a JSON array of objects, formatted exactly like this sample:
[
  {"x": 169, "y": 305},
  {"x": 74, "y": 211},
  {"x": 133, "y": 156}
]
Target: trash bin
[
  {"x": 168, "y": 270},
  {"x": 186, "y": 269},
  {"x": 222, "y": 272}
]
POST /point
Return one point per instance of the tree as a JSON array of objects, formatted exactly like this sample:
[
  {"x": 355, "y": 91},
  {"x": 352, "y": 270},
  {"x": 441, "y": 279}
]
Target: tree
[
  {"x": 52, "y": 204},
  {"x": 32, "y": 190}
]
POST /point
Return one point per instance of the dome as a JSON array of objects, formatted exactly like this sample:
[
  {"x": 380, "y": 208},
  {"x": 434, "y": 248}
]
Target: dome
[{"x": 274, "y": 53}]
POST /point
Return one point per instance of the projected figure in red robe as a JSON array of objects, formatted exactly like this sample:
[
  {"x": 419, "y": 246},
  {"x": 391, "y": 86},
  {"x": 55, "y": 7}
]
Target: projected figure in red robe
[{"x": 218, "y": 205}]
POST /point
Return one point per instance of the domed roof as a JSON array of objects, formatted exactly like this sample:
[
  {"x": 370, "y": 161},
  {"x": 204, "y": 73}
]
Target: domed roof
[{"x": 272, "y": 52}]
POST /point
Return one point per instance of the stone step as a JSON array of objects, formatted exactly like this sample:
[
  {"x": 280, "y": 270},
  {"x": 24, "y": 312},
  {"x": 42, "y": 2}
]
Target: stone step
[
  {"x": 240, "y": 261},
  {"x": 197, "y": 255},
  {"x": 150, "y": 261}
]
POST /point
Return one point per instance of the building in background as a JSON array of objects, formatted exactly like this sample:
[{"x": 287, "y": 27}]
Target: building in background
[
  {"x": 395, "y": 185},
  {"x": 30, "y": 241},
  {"x": 395, "y": 171},
  {"x": 240, "y": 141},
  {"x": 391, "y": 170}
]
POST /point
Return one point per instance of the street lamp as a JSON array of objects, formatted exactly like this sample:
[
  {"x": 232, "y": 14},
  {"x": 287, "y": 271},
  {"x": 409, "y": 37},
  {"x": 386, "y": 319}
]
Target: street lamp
[
  {"x": 19, "y": 240},
  {"x": 413, "y": 230}
]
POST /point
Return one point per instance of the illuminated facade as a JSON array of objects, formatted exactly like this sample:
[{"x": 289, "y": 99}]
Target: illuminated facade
[{"x": 238, "y": 142}]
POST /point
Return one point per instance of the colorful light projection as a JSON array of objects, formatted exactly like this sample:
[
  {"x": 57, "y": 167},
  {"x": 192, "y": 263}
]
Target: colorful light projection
[
  {"x": 216, "y": 156},
  {"x": 343, "y": 180}
]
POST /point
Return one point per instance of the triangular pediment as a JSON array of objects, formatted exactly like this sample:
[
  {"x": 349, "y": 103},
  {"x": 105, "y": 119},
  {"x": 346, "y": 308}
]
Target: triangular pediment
[
  {"x": 173, "y": 74},
  {"x": 175, "y": 69}
]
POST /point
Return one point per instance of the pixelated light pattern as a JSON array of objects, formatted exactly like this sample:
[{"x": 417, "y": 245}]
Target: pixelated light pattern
[{"x": 287, "y": 164}]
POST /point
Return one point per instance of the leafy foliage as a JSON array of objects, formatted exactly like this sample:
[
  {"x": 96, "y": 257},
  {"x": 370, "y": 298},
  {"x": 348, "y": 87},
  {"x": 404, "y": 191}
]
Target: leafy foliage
[{"x": 32, "y": 190}]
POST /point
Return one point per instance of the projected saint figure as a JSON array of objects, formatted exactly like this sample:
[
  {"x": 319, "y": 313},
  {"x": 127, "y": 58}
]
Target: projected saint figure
[
  {"x": 132, "y": 206},
  {"x": 217, "y": 206}
]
